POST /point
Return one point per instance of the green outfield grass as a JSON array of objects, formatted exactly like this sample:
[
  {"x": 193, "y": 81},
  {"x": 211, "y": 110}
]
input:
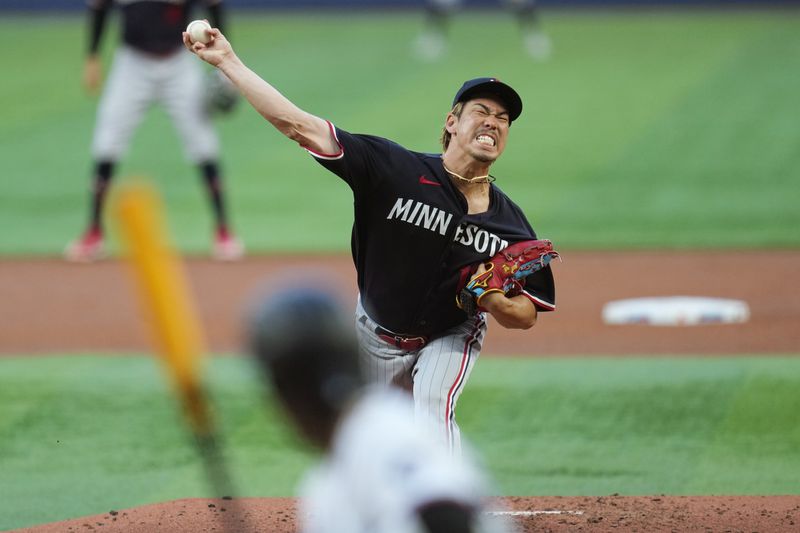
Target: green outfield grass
[
  {"x": 85, "y": 434},
  {"x": 645, "y": 129}
]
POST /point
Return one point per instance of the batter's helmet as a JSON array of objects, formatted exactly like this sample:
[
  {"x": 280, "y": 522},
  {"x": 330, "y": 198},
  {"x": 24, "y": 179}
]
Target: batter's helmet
[{"x": 308, "y": 351}]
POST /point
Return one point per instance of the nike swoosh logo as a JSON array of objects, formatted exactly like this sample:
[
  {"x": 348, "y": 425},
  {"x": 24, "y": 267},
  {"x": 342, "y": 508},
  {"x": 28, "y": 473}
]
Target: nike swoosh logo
[{"x": 425, "y": 181}]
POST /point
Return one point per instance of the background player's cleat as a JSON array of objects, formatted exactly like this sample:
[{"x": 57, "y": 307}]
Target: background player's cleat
[
  {"x": 430, "y": 45},
  {"x": 227, "y": 247},
  {"x": 537, "y": 44},
  {"x": 86, "y": 249}
]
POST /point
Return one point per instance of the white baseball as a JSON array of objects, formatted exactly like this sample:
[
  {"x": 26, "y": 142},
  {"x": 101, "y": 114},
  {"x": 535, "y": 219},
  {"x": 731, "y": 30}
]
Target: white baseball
[{"x": 198, "y": 31}]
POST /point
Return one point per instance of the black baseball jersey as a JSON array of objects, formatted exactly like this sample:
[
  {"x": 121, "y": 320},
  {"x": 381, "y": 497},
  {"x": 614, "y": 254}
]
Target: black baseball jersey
[
  {"x": 151, "y": 26},
  {"x": 413, "y": 242}
]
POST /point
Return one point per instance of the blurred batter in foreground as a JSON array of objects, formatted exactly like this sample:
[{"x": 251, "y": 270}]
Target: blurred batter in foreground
[{"x": 381, "y": 473}]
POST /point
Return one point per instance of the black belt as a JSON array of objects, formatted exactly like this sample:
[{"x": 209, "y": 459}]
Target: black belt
[{"x": 404, "y": 342}]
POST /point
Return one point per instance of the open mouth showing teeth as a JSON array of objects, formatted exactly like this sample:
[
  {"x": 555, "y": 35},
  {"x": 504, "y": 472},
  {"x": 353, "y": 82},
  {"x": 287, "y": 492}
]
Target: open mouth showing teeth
[{"x": 486, "y": 140}]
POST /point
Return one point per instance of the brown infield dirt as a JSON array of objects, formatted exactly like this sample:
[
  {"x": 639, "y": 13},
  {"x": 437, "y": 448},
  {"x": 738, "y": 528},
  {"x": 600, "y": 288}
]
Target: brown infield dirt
[{"x": 49, "y": 306}]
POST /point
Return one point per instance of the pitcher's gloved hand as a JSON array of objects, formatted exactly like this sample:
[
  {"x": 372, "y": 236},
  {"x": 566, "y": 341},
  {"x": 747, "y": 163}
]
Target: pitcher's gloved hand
[{"x": 505, "y": 273}]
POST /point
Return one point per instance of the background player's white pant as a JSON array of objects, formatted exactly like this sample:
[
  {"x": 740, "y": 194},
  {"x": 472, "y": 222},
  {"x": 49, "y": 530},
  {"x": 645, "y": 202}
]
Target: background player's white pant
[
  {"x": 436, "y": 374},
  {"x": 137, "y": 81}
]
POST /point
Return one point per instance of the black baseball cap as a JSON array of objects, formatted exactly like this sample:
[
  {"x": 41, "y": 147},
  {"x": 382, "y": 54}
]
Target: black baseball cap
[{"x": 493, "y": 87}]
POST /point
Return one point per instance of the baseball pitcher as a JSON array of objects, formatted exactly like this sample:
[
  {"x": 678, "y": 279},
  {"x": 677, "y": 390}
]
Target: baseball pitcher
[{"x": 426, "y": 230}]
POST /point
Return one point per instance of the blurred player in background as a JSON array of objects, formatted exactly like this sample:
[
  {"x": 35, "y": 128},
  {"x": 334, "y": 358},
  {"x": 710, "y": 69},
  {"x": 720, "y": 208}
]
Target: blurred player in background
[
  {"x": 151, "y": 66},
  {"x": 382, "y": 473},
  {"x": 431, "y": 44}
]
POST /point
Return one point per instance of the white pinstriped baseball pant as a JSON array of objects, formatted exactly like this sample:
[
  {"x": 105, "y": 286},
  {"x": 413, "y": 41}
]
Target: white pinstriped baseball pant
[
  {"x": 436, "y": 374},
  {"x": 135, "y": 83}
]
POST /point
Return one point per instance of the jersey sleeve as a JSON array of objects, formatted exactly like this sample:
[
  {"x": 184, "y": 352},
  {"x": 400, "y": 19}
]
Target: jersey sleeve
[
  {"x": 540, "y": 288},
  {"x": 361, "y": 160},
  {"x": 98, "y": 14},
  {"x": 216, "y": 15}
]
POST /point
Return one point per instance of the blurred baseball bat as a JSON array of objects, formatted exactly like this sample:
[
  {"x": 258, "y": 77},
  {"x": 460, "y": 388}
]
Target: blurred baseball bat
[{"x": 163, "y": 289}]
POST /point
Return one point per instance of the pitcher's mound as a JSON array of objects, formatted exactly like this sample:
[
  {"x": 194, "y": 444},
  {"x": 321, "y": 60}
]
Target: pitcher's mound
[{"x": 546, "y": 513}]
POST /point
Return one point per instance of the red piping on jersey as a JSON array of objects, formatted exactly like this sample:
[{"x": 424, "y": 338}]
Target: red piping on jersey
[
  {"x": 539, "y": 302},
  {"x": 337, "y": 155},
  {"x": 449, "y": 414}
]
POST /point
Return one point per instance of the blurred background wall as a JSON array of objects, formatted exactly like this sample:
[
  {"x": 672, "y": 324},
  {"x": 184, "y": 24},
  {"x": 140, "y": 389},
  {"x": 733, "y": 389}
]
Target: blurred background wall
[{"x": 65, "y": 5}]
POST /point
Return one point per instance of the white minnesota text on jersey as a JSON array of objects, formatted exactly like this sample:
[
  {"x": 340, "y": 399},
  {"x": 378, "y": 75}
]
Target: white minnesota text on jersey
[
  {"x": 418, "y": 213},
  {"x": 434, "y": 219}
]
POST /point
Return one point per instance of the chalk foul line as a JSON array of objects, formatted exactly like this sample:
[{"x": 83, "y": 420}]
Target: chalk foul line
[{"x": 533, "y": 513}]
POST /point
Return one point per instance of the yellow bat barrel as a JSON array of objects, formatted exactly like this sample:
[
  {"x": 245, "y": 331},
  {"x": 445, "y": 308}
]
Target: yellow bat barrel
[{"x": 164, "y": 292}]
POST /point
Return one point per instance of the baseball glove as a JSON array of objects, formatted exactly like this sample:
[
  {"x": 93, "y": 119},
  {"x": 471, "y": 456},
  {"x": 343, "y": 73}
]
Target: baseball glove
[
  {"x": 221, "y": 96},
  {"x": 505, "y": 273}
]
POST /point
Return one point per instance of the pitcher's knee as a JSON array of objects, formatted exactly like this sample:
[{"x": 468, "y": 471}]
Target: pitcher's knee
[{"x": 434, "y": 405}]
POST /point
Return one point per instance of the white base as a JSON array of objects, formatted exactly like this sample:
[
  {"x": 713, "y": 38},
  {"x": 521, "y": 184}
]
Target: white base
[{"x": 676, "y": 311}]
